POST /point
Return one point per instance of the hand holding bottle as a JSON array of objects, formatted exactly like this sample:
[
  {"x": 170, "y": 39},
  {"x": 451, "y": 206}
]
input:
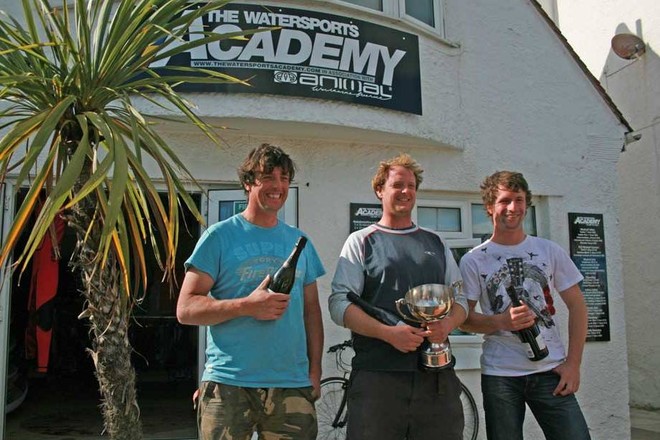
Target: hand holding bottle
[
  {"x": 518, "y": 318},
  {"x": 529, "y": 335},
  {"x": 405, "y": 338},
  {"x": 263, "y": 304}
]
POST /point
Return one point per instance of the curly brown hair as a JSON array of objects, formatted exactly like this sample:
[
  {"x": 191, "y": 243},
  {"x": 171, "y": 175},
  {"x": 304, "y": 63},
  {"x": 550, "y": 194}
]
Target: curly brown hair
[
  {"x": 511, "y": 180},
  {"x": 262, "y": 160},
  {"x": 403, "y": 160}
]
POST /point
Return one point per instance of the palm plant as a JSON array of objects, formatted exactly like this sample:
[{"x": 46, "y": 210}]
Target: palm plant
[{"x": 68, "y": 80}]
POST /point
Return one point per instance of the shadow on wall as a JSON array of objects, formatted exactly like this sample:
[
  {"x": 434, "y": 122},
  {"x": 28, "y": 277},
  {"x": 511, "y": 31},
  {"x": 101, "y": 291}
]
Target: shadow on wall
[{"x": 629, "y": 76}]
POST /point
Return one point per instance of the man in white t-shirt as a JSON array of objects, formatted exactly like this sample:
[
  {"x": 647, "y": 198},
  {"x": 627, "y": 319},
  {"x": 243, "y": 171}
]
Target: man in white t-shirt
[{"x": 514, "y": 375}]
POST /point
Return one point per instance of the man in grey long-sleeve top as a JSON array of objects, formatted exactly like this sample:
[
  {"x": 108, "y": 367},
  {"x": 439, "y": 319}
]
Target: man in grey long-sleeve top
[{"x": 389, "y": 396}]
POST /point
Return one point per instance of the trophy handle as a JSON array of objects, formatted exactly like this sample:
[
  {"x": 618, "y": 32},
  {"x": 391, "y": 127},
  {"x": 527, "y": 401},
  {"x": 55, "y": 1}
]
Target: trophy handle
[{"x": 398, "y": 303}]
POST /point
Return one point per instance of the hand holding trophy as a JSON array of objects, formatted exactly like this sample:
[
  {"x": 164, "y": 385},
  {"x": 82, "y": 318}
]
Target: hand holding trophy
[{"x": 428, "y": 303}]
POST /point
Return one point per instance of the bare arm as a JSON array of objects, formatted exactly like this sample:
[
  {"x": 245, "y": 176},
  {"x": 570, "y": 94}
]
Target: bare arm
[
  {"x": 577, "y": 336},
  {"x": 513, "y": 319},
  {"x": 314, "y": 331},
  {"x": 404, "y": 338},
  {"x": 196, "y": 307}
]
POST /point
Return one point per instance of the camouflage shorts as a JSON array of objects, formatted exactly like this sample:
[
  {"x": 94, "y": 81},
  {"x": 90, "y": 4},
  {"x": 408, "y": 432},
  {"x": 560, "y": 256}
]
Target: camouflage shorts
[{"x": 228, "y": 412}]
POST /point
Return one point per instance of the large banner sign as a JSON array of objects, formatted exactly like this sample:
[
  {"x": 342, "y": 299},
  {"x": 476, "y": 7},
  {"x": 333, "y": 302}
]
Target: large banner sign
[{"x": 313, "y": 55}]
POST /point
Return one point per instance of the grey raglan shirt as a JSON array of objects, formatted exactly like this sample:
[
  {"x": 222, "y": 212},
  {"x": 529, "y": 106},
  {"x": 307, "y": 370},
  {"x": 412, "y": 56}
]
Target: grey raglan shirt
[{"x": 381, "y": 264}]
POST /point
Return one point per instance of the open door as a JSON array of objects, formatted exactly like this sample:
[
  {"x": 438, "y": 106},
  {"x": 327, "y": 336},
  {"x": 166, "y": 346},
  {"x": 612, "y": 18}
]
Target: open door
[{"x": 63, "y": 398}]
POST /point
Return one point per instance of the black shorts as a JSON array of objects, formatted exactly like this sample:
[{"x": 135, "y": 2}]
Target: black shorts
[{"x": 416, "y": 405}]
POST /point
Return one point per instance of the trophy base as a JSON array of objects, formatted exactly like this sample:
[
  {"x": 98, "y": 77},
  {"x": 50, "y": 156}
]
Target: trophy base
[
  {"x": 436, "y": 368},
  {"x": 436, "y": 361}
]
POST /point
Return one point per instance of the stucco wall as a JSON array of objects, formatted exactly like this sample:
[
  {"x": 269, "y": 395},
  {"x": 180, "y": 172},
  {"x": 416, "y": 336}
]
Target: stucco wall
[{"x": 635, "y": 88}]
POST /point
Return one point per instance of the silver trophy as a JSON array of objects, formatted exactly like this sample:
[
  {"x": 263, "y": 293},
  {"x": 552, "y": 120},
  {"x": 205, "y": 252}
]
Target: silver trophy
[{"x": 429, "y": 303}]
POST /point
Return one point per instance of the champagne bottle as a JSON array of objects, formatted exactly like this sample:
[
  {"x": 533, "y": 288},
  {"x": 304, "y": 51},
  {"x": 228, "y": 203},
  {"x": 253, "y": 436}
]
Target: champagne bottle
[
  {"x": 383, "y": 315},
  {"x": 282, "y": 280},
  {"x": 530, "y": 336}
]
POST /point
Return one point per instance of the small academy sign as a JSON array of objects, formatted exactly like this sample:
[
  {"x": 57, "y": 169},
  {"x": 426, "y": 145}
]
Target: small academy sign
[
  {"x": 587, "y": 246},
  {"x": 363, "y": 215}
]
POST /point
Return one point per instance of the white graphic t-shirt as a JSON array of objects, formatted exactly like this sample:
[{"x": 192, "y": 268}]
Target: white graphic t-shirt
[{"x": 547, "y": 270}]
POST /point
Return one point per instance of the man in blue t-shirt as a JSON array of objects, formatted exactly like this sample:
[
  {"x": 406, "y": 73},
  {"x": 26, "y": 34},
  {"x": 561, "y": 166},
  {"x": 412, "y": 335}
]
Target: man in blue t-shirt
[{"x": 264, "y": 348}]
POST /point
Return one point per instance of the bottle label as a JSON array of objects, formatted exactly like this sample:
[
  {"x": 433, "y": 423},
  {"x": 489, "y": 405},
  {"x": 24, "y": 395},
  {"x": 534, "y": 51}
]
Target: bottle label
[
  {"x": 540, "y": 341},
  {"x": 528, "y": 349}
]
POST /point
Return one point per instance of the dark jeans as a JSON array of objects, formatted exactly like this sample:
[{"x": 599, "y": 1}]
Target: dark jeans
[
  {"x": 560, "y": 417},
  {"x": 412, "y": 405}
]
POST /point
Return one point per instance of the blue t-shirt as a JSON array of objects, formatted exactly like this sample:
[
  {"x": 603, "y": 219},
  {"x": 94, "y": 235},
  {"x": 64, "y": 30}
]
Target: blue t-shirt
[{"x": 244, "y": 351}]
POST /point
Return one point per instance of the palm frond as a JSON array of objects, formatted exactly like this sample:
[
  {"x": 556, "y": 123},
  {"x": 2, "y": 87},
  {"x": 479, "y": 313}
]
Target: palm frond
[{"x": 68, "y": 76}]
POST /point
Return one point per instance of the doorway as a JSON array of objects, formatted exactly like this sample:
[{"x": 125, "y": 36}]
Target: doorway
[{"x": 52, "y": 392}]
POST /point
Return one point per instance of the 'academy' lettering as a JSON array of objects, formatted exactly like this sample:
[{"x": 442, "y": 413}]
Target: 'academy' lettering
[
  {"x": 371, "y": 212},
  {"x": 587, "y": 221},
  {"x": 296, "y": 47}
]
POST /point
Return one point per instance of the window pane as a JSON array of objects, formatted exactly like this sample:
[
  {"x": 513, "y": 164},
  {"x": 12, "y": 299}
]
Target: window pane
[
  {"x": 530, "y": 221},
  {"x": 482, "y": 225},
  {"x": 440, "y": 219},
  {"x": 372, "y": 4},
  {"x": 449, "y": 219},
  {"x": 422, "y": 10},
  {"x": 226, "y": 209},
  {"x": 427, "y": 218}
]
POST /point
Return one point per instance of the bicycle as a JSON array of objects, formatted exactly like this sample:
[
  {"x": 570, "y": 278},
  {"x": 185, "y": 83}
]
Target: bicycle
[{"x": 331, "y": 406}]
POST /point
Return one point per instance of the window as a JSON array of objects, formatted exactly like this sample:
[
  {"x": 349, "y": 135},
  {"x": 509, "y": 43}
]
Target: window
[
  {"x": 440, "y": 219},
  {"x": 422, "y": 10},
  {"x": 223, "y": 203},
  {"x": 426, "y": 13},
  {"x": 450, "y": 219},
  {"x": 482, "y": 225},
  {"x": 371, "y": 4}
]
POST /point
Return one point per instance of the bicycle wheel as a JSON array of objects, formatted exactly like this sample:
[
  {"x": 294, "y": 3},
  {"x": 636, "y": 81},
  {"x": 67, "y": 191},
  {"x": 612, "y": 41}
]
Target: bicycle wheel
[
  {"x": 331, "y": 409},
  {"x": 471, "y": 414}
]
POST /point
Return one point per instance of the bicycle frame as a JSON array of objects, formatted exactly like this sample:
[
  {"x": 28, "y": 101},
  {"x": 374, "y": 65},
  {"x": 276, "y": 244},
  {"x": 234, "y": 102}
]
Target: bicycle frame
[{"x": 334, "y": 411}]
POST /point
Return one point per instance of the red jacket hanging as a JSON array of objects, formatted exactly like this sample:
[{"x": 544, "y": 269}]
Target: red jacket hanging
[{"x": 43, "y": 289}]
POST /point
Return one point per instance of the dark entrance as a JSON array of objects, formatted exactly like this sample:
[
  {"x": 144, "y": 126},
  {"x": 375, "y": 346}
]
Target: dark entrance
[{"x": 52, "y": 391}]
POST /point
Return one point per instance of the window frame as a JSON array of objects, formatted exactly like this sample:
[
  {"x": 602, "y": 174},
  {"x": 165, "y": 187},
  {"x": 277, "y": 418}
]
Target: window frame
[
  {"x": 396, "y": 9},
  {"x": 466, "y": 216},
  {"x": 437, "y": 16}
]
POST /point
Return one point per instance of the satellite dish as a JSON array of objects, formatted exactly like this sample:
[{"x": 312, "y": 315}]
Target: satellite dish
[{"x": 628, "y": 46}]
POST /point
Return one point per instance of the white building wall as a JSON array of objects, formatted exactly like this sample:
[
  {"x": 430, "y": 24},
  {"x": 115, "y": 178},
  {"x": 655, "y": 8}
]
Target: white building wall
[
  {"x": 509, "y": 97},
  {"x": 589, "y": 26}
]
